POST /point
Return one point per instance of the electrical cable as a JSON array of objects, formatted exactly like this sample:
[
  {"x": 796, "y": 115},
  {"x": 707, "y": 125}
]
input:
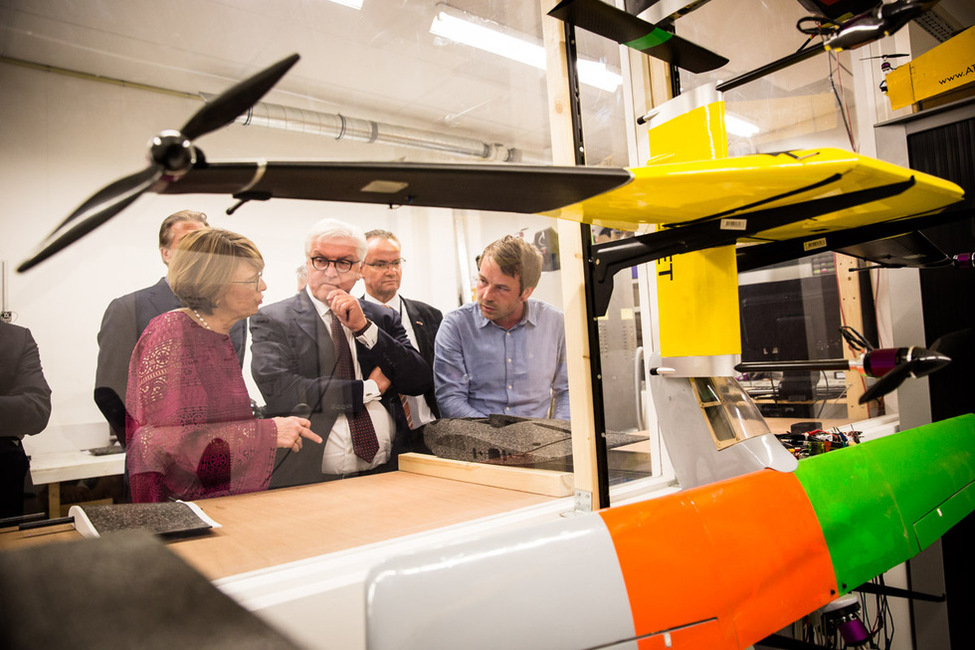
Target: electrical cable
[
  {"x": 856, "y": 340},
  {"x": 823, "y": 26},
  {"x": 825, "y": 396},
  {"x": 806, "y": 43},
  {"x": 841, "y": 104},
  {"x": 846, "y": 108}
]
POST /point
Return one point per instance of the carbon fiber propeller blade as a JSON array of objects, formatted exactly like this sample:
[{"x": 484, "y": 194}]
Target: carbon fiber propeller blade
[
  {"x": 952, "y": 342},
  {"x": 120, "y": 188},
  {"x": 170, "y": 153},
  {"x": 236, "y": 99},
  {"x": 86, "y": 225},
  {"x": 887, "y": 383}
]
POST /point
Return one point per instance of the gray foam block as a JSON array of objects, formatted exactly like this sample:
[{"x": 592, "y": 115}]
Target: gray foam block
[{"x": 123, "y": 590}]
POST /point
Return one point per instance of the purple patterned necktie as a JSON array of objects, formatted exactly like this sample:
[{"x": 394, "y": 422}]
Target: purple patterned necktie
[{"x": 364, "y": 441}]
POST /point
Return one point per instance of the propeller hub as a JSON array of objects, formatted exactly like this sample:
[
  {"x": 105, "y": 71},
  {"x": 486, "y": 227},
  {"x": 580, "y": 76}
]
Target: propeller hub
[{"x": 172, "y": 151}]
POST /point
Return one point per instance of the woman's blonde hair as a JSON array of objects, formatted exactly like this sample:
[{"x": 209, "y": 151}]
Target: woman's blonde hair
[{"x": 205, "y": 263}]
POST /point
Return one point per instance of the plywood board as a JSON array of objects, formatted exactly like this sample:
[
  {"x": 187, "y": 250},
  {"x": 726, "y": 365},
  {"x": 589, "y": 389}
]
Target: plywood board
[{"x": 265, "y": 529}]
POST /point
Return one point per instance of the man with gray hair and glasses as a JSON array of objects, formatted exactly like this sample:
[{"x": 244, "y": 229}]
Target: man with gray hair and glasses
[{"x": 338, "y": 361}]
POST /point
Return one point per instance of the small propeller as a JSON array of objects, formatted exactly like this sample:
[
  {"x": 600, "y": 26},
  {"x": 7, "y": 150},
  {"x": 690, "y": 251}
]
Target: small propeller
[
  {"x": 171, "y": 155},
  {"x": 893, "y": 365},
  {"x": 883, "y": 56}
]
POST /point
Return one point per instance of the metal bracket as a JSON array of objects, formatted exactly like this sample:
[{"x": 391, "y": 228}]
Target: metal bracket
[{"x": 583, "y": 501}]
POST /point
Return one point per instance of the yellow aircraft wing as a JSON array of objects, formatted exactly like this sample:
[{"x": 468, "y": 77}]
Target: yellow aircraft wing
[
  {"x": 728, "y": 192},
  {"x": 679, "y": 193}
]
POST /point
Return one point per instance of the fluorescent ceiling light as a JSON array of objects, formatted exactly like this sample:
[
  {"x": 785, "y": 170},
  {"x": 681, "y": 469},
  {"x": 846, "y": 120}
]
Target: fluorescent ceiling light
[
  {"x": 516, "y": 47},
  {"x": 355, "y": 4},
  {"x": 597, "y": 75},
  {"x": 740, "y": 127}
]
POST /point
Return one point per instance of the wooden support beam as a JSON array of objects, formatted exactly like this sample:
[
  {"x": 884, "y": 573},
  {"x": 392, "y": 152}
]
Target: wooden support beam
[
  {"x": 851, "y": 313},
  {"x": 573, "y": 269}
]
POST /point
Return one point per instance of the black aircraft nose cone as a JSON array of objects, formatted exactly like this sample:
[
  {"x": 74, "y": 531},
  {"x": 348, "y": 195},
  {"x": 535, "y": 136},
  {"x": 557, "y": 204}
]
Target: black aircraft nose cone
[{"x": 924, "y": 361}]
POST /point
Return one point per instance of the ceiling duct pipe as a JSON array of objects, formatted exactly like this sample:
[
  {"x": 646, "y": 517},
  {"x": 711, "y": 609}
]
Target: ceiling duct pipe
[{"x": 343, "y": 127}]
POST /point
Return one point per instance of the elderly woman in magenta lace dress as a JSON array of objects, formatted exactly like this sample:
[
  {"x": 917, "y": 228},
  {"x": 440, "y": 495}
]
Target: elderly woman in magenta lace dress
[{"x": 190, "y": 430}]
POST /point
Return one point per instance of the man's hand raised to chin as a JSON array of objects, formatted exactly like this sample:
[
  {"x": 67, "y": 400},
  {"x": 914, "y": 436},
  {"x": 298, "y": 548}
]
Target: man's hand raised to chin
[{"x": 348, "y": 310}]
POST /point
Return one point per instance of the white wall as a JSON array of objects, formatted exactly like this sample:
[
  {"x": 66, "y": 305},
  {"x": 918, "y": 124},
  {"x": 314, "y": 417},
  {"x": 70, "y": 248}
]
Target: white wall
[{"x": 64, "y": 138}]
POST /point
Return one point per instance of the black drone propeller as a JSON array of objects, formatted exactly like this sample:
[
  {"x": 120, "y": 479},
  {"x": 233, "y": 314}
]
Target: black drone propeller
[
  {"x": 171, "y": 155},
  {"x": 908, "y": 362},
  {"x": 884, "y": 57},
  {"x": 891, "y": 366},
  {"x": 626, "y": 29}
]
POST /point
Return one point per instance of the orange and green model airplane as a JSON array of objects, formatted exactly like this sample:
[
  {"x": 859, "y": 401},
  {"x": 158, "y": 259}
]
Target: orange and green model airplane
[{"x": 719, "y": 566}]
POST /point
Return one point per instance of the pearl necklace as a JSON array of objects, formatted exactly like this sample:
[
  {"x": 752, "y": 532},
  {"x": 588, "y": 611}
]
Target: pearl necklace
[{"x": 202, "y": 320}]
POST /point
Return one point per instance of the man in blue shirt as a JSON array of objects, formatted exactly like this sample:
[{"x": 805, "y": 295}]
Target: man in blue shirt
[{"x": 504, "y": 353}]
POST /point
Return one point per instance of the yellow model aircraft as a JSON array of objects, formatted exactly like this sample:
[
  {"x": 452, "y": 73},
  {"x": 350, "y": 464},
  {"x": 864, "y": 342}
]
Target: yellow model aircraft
[{"x": 798, "y": 197}]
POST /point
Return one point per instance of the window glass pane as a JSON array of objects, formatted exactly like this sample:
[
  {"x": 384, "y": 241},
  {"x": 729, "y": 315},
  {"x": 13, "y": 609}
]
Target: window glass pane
[
  {"x": 791, "y": 312},
  {"x": 376, "y": 84},
  {"x": 620, "y": 328},
  {"x": 720, "y": 426},
  {"x": 706, "y": 392},
  {"x": 809, "y": 104},
  {"x": 731, "y": 414}
]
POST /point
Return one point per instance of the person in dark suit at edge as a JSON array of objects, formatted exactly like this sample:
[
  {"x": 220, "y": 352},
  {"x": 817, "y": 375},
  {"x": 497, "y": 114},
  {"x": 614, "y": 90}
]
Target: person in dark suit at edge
[
  {"x": 382, "y": 275},
  {"x": 341, "y": 362},
  {"x": 126, "y": 318},
  {"x": 25, "y": 408}
]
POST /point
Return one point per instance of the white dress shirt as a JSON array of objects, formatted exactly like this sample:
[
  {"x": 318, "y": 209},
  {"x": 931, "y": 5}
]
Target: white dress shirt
[{"x": 338, "y": 456}]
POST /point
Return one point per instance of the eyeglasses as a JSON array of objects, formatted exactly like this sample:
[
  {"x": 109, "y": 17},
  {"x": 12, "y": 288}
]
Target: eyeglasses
[
  {"x": 341, "y": 266},
  {"x": 382, "y": 266},
  {"x": 256, "y": 281}
]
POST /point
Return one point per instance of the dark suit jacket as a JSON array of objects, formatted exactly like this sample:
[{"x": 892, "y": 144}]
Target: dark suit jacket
[
  {"x": 292, "y": 364},
  {"x": 425, "y": 320},
  {"x": 25, "y": 397},
  {"x": 25, "y": 407},
  {"x": 123, "y": 323}
]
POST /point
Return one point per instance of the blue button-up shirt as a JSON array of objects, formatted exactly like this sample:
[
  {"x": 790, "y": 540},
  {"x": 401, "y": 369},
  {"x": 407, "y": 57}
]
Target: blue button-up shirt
[{"x": 481, "y": 368}]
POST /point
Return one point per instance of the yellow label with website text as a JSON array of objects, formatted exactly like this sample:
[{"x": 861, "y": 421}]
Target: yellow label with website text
[{"x": 947, "y": 67}]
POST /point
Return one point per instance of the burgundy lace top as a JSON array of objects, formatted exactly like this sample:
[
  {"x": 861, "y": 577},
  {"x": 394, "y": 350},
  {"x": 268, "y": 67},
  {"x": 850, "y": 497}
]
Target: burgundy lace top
[{"x": 190, "y": 432}]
